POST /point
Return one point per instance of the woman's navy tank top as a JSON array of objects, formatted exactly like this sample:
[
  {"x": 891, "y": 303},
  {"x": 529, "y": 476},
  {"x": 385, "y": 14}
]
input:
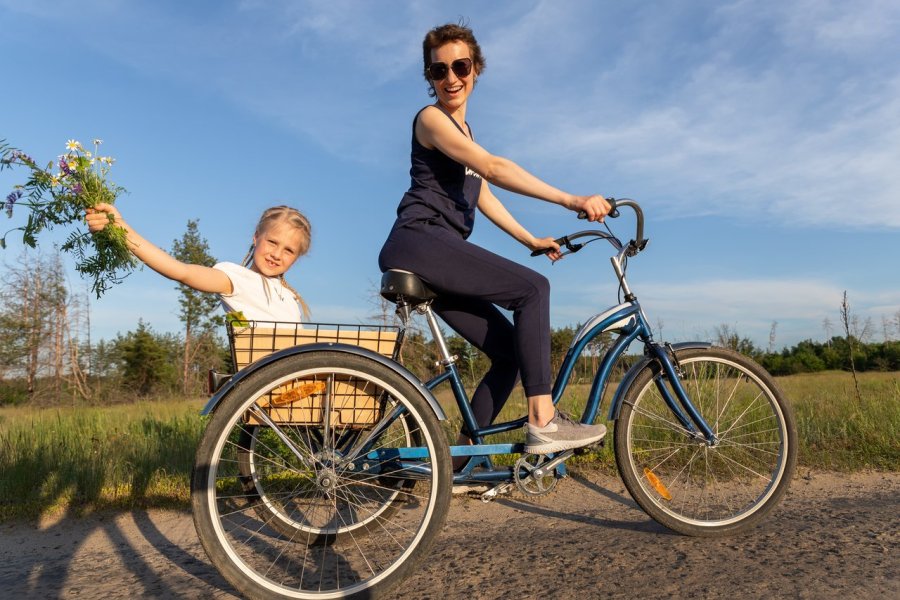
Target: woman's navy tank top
[{"x": 442, "y": 191}]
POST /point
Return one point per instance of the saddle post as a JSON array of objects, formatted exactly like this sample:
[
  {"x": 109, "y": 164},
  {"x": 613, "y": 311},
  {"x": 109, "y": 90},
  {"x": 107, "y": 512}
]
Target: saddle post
[
  {"x": 446, "y": 358},
  {"x": 409, "y": 293}
]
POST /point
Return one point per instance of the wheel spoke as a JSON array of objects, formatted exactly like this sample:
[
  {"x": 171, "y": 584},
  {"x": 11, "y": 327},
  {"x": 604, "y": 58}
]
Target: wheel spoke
[
  {"x": 290, "y": 507},
  {"x": 713, "y": 487}
]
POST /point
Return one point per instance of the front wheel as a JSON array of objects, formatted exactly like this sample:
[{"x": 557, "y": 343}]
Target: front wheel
[
  {"x": 321, "y": 475},
  {"x": 682, "y": 481}
]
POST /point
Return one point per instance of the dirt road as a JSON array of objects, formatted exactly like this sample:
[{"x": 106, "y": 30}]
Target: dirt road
[{"x": 835, "y": 536}]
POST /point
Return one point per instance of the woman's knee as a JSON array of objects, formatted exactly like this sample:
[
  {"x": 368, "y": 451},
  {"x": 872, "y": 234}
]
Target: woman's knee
[{"x": 538, "y": 289}]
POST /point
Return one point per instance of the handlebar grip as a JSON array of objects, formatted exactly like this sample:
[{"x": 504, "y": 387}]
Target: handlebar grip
[
  {"x": 613, "y": 211},
  {"x": 561, "y": 241}
]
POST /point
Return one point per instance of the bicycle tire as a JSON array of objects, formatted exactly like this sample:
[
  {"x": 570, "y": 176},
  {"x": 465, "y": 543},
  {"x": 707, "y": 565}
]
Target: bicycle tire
[
  {"x": 340, "y": 549},
  {"x": 681, "y": 481}
]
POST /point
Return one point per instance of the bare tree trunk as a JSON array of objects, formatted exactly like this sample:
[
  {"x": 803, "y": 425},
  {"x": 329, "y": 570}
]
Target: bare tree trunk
[
  {"x": 33, "y": 294},
  {"x": 58, "y": 347},
  {"x": 845, "y": 320},
  {"x": 187, "y": 358}
]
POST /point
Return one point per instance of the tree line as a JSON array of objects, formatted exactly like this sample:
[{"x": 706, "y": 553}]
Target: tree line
[{"x": 47, "y": 355}]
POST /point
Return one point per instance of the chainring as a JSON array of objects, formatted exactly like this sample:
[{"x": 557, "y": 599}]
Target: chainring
[{"x": 531, "y": 479}]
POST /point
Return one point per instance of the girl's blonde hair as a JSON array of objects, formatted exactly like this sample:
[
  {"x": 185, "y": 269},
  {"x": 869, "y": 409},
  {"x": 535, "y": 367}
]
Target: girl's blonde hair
[{"x": 292, "y": 216}]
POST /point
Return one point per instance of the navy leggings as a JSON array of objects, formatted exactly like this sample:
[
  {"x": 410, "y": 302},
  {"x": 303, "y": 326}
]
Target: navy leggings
[{"x": 470, "y": 281}]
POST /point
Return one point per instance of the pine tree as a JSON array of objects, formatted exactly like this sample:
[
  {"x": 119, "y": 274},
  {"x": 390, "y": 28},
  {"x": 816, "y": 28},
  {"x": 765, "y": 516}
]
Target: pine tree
[{"x": 199, "y": 310}]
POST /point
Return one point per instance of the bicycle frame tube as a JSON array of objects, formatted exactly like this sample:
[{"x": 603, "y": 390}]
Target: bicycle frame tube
[
  {"x": 629, "y": 319},
  {"x": 616, "y": 318},
  {"x": 626, "y": 318}
]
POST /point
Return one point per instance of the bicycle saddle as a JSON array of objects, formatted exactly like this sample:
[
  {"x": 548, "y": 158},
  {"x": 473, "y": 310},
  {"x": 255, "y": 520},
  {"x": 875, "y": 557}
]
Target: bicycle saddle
[{"x": 397, "y": 285}]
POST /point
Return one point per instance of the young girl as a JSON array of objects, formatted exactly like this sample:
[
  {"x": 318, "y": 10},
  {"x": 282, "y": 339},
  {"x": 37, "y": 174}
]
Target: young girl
[
  {"x": 257, "y": 287},
  {"x": 450, "y": 174}
]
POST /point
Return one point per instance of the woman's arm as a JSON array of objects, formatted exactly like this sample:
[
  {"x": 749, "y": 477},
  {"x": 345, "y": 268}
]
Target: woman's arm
[
  {"x": 434, "y": 130},
  {"x": 199, "y": 277},
  {"x": 494, "y": 210}
]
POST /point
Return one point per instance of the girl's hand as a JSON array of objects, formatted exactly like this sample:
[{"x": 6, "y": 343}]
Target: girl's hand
[
  {"x": 596, "y": 207},
  {"x": 102, "y": 215},
  {"x": 547, "y": 242}
]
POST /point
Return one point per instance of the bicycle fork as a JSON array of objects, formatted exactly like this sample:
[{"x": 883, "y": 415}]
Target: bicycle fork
[{"x": 672, "y": 373}]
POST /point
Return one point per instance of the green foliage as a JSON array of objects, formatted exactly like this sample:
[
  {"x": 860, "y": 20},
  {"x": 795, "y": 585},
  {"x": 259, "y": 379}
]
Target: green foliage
[
  {"x": 811, "y": 357},
  {"x": 60, "y": 197},
  {"x": 199, "y": 310},
  {"x": 836, "y": 430},
  {"x": 148, "y": 360},
  {"x": 236, "y": 318},
  {"x": 199, "y": 313}
]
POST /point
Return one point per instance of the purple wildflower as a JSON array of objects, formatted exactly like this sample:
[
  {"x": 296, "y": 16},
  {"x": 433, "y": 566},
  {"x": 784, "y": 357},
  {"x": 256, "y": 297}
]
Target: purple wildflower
[
  {"x": 11, "y": 201},
  {"x": 77, "y": 189},
  {"x": 21, "y": 157},
  {"x": 64, "y": 167}
]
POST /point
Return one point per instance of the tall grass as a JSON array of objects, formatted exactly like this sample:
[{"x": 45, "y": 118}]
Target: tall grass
[
  {"x": 82, "y": 459},
  {"x": 140, "y": 455},
  {"x": 838, "y": 432}
]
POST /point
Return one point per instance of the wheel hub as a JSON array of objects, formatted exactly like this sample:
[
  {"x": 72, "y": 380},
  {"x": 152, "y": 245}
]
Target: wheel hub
[{"x": 327, "y": 480}]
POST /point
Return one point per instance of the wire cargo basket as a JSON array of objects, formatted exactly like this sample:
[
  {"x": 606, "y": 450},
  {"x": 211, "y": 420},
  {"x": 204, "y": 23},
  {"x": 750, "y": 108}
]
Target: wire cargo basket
[{"x": 302, "y": 401}]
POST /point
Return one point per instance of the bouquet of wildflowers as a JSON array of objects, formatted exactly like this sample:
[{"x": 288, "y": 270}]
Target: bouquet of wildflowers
[{"x": 59, "y": 195}]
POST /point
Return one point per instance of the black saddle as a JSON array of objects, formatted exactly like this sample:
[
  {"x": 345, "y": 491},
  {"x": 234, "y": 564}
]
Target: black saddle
[{"x": 397, "y": 286}]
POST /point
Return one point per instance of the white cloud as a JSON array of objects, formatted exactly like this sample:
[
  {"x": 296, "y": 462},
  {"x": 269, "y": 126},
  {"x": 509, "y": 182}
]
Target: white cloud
[{"x": 780, "y": 111}]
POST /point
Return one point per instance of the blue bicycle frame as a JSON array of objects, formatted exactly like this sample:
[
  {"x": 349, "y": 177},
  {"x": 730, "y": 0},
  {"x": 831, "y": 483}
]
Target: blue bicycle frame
[{"x": 627, "y": 319}]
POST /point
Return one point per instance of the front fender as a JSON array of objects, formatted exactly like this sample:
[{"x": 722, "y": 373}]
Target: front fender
[
  {"x": 228, "y": 386},
  {"x": 616, "y": 405}
]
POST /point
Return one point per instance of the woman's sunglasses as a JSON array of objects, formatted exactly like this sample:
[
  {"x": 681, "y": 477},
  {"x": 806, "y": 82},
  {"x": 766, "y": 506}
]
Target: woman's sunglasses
[{"x": 439, "y": 70}]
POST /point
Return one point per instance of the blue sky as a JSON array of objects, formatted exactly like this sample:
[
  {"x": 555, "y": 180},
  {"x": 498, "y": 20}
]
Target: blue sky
[{"x": 762, "y": 139}]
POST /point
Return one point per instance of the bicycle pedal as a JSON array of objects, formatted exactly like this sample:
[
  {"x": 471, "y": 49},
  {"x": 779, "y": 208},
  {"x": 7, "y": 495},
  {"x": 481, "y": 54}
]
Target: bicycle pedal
[
  {"x": 495, "y": 491},
  {"x": 592, "y": 448}
]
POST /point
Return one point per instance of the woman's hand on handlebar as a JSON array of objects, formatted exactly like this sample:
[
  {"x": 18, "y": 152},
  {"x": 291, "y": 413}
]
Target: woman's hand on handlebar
[
  {"x": 547, "y": 246},
  {"x": 595, "y": 207}
]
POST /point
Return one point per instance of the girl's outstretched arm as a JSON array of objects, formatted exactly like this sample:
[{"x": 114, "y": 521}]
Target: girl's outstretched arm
[{"x": 199, "y": 277}]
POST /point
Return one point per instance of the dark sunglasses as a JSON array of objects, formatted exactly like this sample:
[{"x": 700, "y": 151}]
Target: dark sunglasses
[{"x": 439, "y": 70}]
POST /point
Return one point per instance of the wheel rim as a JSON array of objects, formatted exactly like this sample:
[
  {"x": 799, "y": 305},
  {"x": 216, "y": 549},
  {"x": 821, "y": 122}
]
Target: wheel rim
[
  {"x": 698, "y": 484},
  {"x": 330, "y": 554}
]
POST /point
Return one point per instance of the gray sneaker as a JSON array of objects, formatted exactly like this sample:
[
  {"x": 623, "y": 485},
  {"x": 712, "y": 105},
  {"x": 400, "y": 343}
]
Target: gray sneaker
[{"x": 561, "y": 433}]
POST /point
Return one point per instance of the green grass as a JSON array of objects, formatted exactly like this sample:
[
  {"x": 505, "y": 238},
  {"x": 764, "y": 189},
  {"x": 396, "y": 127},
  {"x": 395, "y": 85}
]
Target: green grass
[
  {"x": 140, "y": 455},
  {"x": 82, "y": 459},
  {"x": 839, "y": 432}
]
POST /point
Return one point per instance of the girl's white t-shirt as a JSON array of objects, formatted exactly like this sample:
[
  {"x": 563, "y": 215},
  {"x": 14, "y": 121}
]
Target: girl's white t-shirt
[{"x": 260, "y": 298}]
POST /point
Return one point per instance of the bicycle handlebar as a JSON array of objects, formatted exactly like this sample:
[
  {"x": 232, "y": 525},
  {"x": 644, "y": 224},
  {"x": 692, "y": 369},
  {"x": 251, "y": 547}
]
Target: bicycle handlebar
[{"x": 633, "y": 247}]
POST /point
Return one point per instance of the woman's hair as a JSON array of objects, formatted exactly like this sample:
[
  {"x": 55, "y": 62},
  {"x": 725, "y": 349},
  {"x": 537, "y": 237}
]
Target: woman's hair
[
  {"x": 293, "y": 217},
  {"x": 445, "y": 34}
]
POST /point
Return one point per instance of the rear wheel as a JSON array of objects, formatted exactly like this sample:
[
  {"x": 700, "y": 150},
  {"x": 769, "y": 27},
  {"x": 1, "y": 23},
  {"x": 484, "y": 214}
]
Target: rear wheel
[
  {"x": 683, "y": 482},
  {"x": 282, "y": 506},
  {"x": 336, "y": 493}
]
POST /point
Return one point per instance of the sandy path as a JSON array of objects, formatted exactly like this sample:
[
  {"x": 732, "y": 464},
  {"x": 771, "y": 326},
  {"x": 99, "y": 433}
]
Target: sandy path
[{"x": 835, "y": 536}]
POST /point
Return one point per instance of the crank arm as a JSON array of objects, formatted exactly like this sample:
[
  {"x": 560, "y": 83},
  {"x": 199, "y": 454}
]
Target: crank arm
[
  {"x": 496, "y": 491},
  {"x": 554, "y": 462}
]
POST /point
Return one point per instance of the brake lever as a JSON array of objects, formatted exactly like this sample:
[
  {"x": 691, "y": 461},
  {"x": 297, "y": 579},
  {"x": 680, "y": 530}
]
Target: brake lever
[{"x": 564, "y": 242}]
